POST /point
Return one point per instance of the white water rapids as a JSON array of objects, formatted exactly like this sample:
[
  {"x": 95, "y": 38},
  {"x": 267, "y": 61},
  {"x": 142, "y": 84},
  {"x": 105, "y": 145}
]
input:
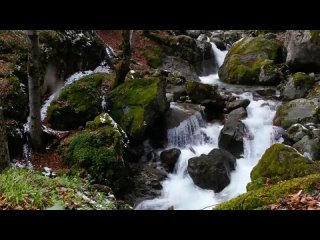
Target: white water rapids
[{"x": 179, "y": 190}]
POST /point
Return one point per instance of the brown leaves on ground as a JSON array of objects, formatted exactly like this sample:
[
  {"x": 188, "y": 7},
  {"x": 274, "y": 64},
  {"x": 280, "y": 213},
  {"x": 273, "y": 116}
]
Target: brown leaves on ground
[
  {"x": 139, "y": 42},
  {"x": 50, "y": 159},
  {"x": 298, "y": 201}
]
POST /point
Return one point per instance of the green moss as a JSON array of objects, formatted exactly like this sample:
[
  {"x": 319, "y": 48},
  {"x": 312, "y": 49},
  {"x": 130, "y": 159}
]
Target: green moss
[
  {"x": 25, "y": 189},
  {"x": 302, "y": 80},
  {"x": 314, "y": 35},
  {"x": 154, "y": 56},
  {"x": 135, "y": 103},
  {"x": 259, "y": 32},
  {"x": 283, "y": 162},
  {"x": 77, "y": 103},
  {"x": 99, "y": 152},
  {"x": 246, "y": 59},
  {"x": 261, "y": 198}
]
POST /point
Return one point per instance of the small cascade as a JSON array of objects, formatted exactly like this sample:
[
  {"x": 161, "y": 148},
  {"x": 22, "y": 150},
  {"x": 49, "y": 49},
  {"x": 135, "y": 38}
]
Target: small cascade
[
  {"x": 188, "y": 132},
  {"x": 219, "y": 55}
]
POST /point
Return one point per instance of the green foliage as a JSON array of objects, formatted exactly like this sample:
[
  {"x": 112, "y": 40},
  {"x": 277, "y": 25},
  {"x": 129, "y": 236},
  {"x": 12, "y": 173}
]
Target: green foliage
[
  {"x": 15, "y": 99},
  {"x": 261, "y": 198},
  {"x": 99, "y": 152},
  {"x": 25, "y": 189}
]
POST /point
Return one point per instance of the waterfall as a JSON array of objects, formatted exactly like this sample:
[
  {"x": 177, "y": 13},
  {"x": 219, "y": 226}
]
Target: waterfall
[
  {"x": 178, "y": 190},
  {"x": 188, "y": 132}
]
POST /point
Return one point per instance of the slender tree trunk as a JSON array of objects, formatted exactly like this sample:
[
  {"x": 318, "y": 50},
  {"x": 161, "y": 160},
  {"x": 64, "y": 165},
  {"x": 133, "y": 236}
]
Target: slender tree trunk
[
  {"x": 34, "y": 89},
  {"x": 4, "y": 150},
  {"x": 123, "y": 67}
]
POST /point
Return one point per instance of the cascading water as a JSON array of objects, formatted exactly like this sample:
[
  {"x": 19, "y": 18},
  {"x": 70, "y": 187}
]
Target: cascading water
[{"x": 179, "y": 191}]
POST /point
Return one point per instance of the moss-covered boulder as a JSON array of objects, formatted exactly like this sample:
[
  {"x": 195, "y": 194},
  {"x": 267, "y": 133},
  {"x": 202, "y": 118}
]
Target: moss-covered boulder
[
  {"x": 297, "y": 111},
  {"x": 77, "y": 102},
  {"x": 303, "y": 50},
  {"x": 136, "y": 104},
  {"x": 262, "y": 198},
  {"x": 13, "y": 97},
  {"x": 297, "y": 86},
  {"x": 282, "y": 162},
  {"x": 252, "y": 61},
  {"x": 198, "y": 92},
  {"x": 99, "y": 150}
]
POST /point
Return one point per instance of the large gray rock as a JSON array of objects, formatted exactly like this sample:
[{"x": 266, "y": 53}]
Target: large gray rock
[
  {"x": 303, "y": 47},
  {"x": 297, "y": 111},
  {"x": 309, "y": 147},
  {"x": 188, "y": 71},
  {"x": 297, "y": 86},
  {"x": 231, "y": 137},
  {"x": 212, "y": 171},
  {"x": 297, "y": 131}
]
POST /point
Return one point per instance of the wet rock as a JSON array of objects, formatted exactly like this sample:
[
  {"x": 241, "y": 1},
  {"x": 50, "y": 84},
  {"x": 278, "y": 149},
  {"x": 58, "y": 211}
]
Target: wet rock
[
  {"x": 238, "y": 114},
  {"x": 309, "y": 147},
  {"x": 297, "y": 131},
  {"x": 169, "y": 158},
  {"x": 231, "y": 137},
  {"x": 237, "y": 104},
  {"x": 212, "y": 171},
  {"x": 146, "y": 183}
]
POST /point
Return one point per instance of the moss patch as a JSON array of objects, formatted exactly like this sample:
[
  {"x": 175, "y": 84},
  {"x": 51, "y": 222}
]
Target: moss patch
[
  {"x": 261, "y": 198},
  {"x": 77, "y": 103},
  {"x": 247, "y": 58},
  {"x": 283, "y": 162},
  {"x": 302, "y": 80},
  {"x": 136, "y": 104},
  {"x": 100, "y": 153},
  {"x": 25, "y": 189}
]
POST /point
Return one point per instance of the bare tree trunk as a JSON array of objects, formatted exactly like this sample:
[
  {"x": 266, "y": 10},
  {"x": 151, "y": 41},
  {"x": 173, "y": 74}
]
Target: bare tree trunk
[
  {"x": 123, "y": 67},
  {"x": 34, "y": 89},
  {"x": 4, "y": 150}
]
